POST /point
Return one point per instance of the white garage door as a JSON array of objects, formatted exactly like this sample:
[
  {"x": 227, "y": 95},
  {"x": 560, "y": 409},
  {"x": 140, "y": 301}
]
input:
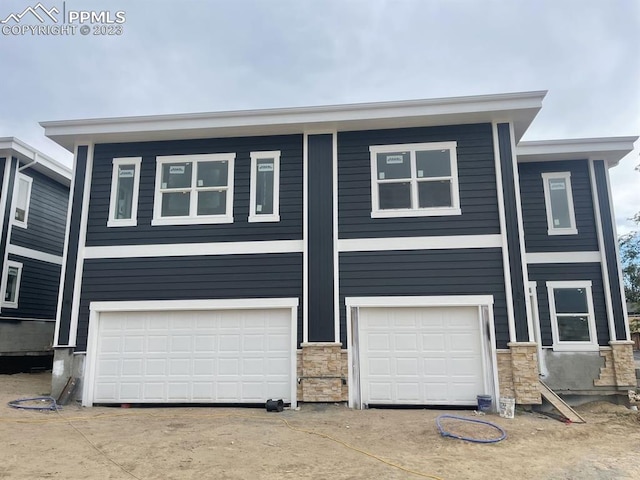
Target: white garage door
[
  {"x": 421, "y": 356},
  {"x": 224, "y": 356}
]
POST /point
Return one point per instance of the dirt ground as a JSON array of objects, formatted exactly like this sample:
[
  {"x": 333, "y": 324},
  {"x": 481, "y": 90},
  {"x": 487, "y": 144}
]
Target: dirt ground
[{"x": 234, "y": 443}]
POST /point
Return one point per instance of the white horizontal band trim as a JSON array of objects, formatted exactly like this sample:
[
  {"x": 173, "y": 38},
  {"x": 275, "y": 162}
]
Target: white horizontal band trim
[
  {"x": 47, "y": 320},
  {"x": 223, "y": 304},
  {"x": 419, "y": 243},
  {"x": 34, "y": 254},
  {"x": 193, "y": 249},
  {"x": 563, "y": 257},
  {"x": 420, "y": 301}
]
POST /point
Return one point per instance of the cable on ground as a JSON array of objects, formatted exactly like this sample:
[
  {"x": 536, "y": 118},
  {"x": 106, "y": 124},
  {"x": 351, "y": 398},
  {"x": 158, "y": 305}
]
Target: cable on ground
[{"x": 445, "y": 433}]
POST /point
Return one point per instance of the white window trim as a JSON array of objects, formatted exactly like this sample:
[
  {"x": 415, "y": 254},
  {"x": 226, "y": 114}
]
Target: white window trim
[
  {"x": 454, "y": 209},
  {"x": 253, "y": 215},
  {"x": 124, "y": 222},
  {"x": 193, "y": 219},
  {"x": 29, "y": 180},
  {"x": 572, "y": 230},
  {"x": 560, "y": 346},
  {"x": 5, "y": 282}
]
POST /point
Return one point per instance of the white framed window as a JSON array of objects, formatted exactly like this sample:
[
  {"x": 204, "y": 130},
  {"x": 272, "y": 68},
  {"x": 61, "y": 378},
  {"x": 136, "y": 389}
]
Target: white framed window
[
  {"x": 125, "y": 183},
  {"x": 573, "y": 324},
  {"x": 558, "y": 201},
  {"x": 414, "y": 179},
  {"x": 11, "y": 284},
  {"x": 193, "y": 189},
  {"x": 265, "y": 187},
  {"x": 22, "y": 199}
]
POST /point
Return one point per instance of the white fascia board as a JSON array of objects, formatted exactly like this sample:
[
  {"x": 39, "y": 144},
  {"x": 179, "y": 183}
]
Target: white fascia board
[
  {"x": 521, "y": 108},
  {"x": 609, "y": 149},
  {"x": 13, "y": 147}
]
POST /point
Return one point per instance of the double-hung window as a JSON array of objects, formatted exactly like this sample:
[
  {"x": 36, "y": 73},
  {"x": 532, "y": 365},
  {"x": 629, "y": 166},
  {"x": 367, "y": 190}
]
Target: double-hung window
[
  {"x": 414, "y": 179},
  {"x": 22, "y": 200},
  {"x": 265, "y": 187},
  {"x": 572, "y": 316},
  {"x": 194, "y": 189},
  {"x": 11, "y": 284},
  {"x": 125, "y": 182},
  {"x": 558, "y": 200}
]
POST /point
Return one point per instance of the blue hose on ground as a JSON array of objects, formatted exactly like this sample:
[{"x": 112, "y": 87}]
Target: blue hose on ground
[
  {"x": 50, "y": 405},
  {"x": 444, "y": 433}
]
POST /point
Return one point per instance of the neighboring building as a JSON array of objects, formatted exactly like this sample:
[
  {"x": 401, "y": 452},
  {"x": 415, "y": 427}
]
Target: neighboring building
[
  {"x": 385, "y": 253},
  {"x": 33, "y": 206}
]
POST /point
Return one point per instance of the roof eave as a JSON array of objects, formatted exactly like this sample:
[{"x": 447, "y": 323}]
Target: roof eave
[{"x": 14, "y": 147}]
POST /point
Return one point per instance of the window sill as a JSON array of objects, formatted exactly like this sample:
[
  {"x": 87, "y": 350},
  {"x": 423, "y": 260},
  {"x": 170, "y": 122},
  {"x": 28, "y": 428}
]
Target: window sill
[
  {"x": 575, "y": 347},
  {"x": 191, "y": 220},
  {"x": 263, "y": 218},
  {"x": 122, "y": 223},
  {"x": 564, "y": 231},
  {"x": 431, "y": 212},
  {"x": 9, "y": 305},
  {"x": 17, "y": 223}
]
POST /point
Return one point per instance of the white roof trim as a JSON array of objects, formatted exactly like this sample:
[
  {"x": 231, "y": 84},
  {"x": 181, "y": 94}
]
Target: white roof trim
[
  {"x": 13, "y": 147},
  {"x": 609, "y": 149},
  {"x": 520, "y": 108}
]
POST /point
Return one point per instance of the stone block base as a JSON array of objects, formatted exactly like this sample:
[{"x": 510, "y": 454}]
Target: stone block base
[
  {"x": 518, "y": 373},
  {"x": 619, "y": 366},
  {"x": 322, "y": 372}
]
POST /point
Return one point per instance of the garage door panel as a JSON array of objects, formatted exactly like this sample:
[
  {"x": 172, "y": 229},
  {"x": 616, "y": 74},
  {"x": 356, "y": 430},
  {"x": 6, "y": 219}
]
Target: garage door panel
[
  {"x": 420, "y": 355},
  {"x": 220, "y": 356}
]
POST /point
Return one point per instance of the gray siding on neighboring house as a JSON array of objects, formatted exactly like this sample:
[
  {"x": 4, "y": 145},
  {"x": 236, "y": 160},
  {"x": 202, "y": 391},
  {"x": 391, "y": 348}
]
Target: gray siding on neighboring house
[
  {"x": 38, "y": 293},
  {"x": 509, "y": 189},
  {"x": 428, "y": 273},
  {"x": 534, "y": 212},
  {"x": 47, "y": 216},
  {"x": 609, "y": 237},
  {"x": 289, "y": 227},
  {"x": 564, "y": 272},
  {"x": 2, "y": 163},
  {"x": 188, "y": 278},
  {"x": 72, "y": 247},
  {"x": 320, "y": 238},
  {"x": 477, "y": 180}
]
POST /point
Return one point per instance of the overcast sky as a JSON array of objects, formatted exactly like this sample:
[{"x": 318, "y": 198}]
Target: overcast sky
[{"x": 194, "y": 56}]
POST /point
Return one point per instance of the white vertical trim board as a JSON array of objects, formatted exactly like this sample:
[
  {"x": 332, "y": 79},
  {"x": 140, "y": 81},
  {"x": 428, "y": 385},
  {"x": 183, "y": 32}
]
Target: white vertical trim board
[
  {"x": 82, "y": 237},
  {"x": 603, "y": 256},
  {"x": 65, "y": 250},
  {"x": 503, "y": 234},
  {"x": 336, "y": 249},
  {"x": 535, "y": 314},
  {"x": 305, "y": 238},
  {"x": 519, "y": 216},
  {"x": 113, "y": 199}
]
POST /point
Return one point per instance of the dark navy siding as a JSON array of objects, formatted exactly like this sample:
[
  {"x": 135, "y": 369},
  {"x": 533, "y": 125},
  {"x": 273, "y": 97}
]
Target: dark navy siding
[
  {"x": 2, "y": 164},
  {"x": 534, "y": 212},
  {"x": 6, "y": 215},
  {"x": 477, "y": 180},
  {"x": 189, "y": 278},
  {"x": 72, "y": 249},
  {"x": 608, "y": 234},
  {"x": 38, "y": 294},
  {"x": 428, "y": 273},
  {"x": 289, "y": 227},
  {"x": 518, "y": 289},
  {"x": 561, "y": 273},
  {"x": 47, "y": 216},
  {"x": 320, "y": 253}
]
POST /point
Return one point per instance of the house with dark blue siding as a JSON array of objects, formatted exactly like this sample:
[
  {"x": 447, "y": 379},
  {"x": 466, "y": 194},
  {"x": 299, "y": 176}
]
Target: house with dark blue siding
[
  {"x": 33, "y": 207},
  {"x": 398, "y": 253}
]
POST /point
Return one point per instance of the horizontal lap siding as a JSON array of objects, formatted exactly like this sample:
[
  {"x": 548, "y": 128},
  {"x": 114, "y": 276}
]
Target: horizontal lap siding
[
  {"x": 534, "y": 212},
  {"x": 477, "y": 181},
  {"x": 47, "y": 216},
  {"x": 289, "y": 227},
  {"x": 38, "y": 294},
  {"x": 189, "y": 278},
  {"x": 425, "y": 273},
  {"x": 563, "y": 272}
]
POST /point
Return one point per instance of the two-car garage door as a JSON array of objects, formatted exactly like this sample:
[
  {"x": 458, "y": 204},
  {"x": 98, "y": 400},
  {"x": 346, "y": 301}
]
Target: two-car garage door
[
  {"x": 421, "y": 356},
  {"x": 192, "y": 356}
]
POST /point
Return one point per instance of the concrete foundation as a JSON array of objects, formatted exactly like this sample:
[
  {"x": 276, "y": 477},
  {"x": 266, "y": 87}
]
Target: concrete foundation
[
  {"x": 26, "y": 337},
  {"x": 66, "y": 364}
]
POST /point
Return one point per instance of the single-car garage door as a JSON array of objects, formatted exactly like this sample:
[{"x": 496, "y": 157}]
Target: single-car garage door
[
  {"x": 421, "y": 356},
  {"x": 193, "y": 356}
]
